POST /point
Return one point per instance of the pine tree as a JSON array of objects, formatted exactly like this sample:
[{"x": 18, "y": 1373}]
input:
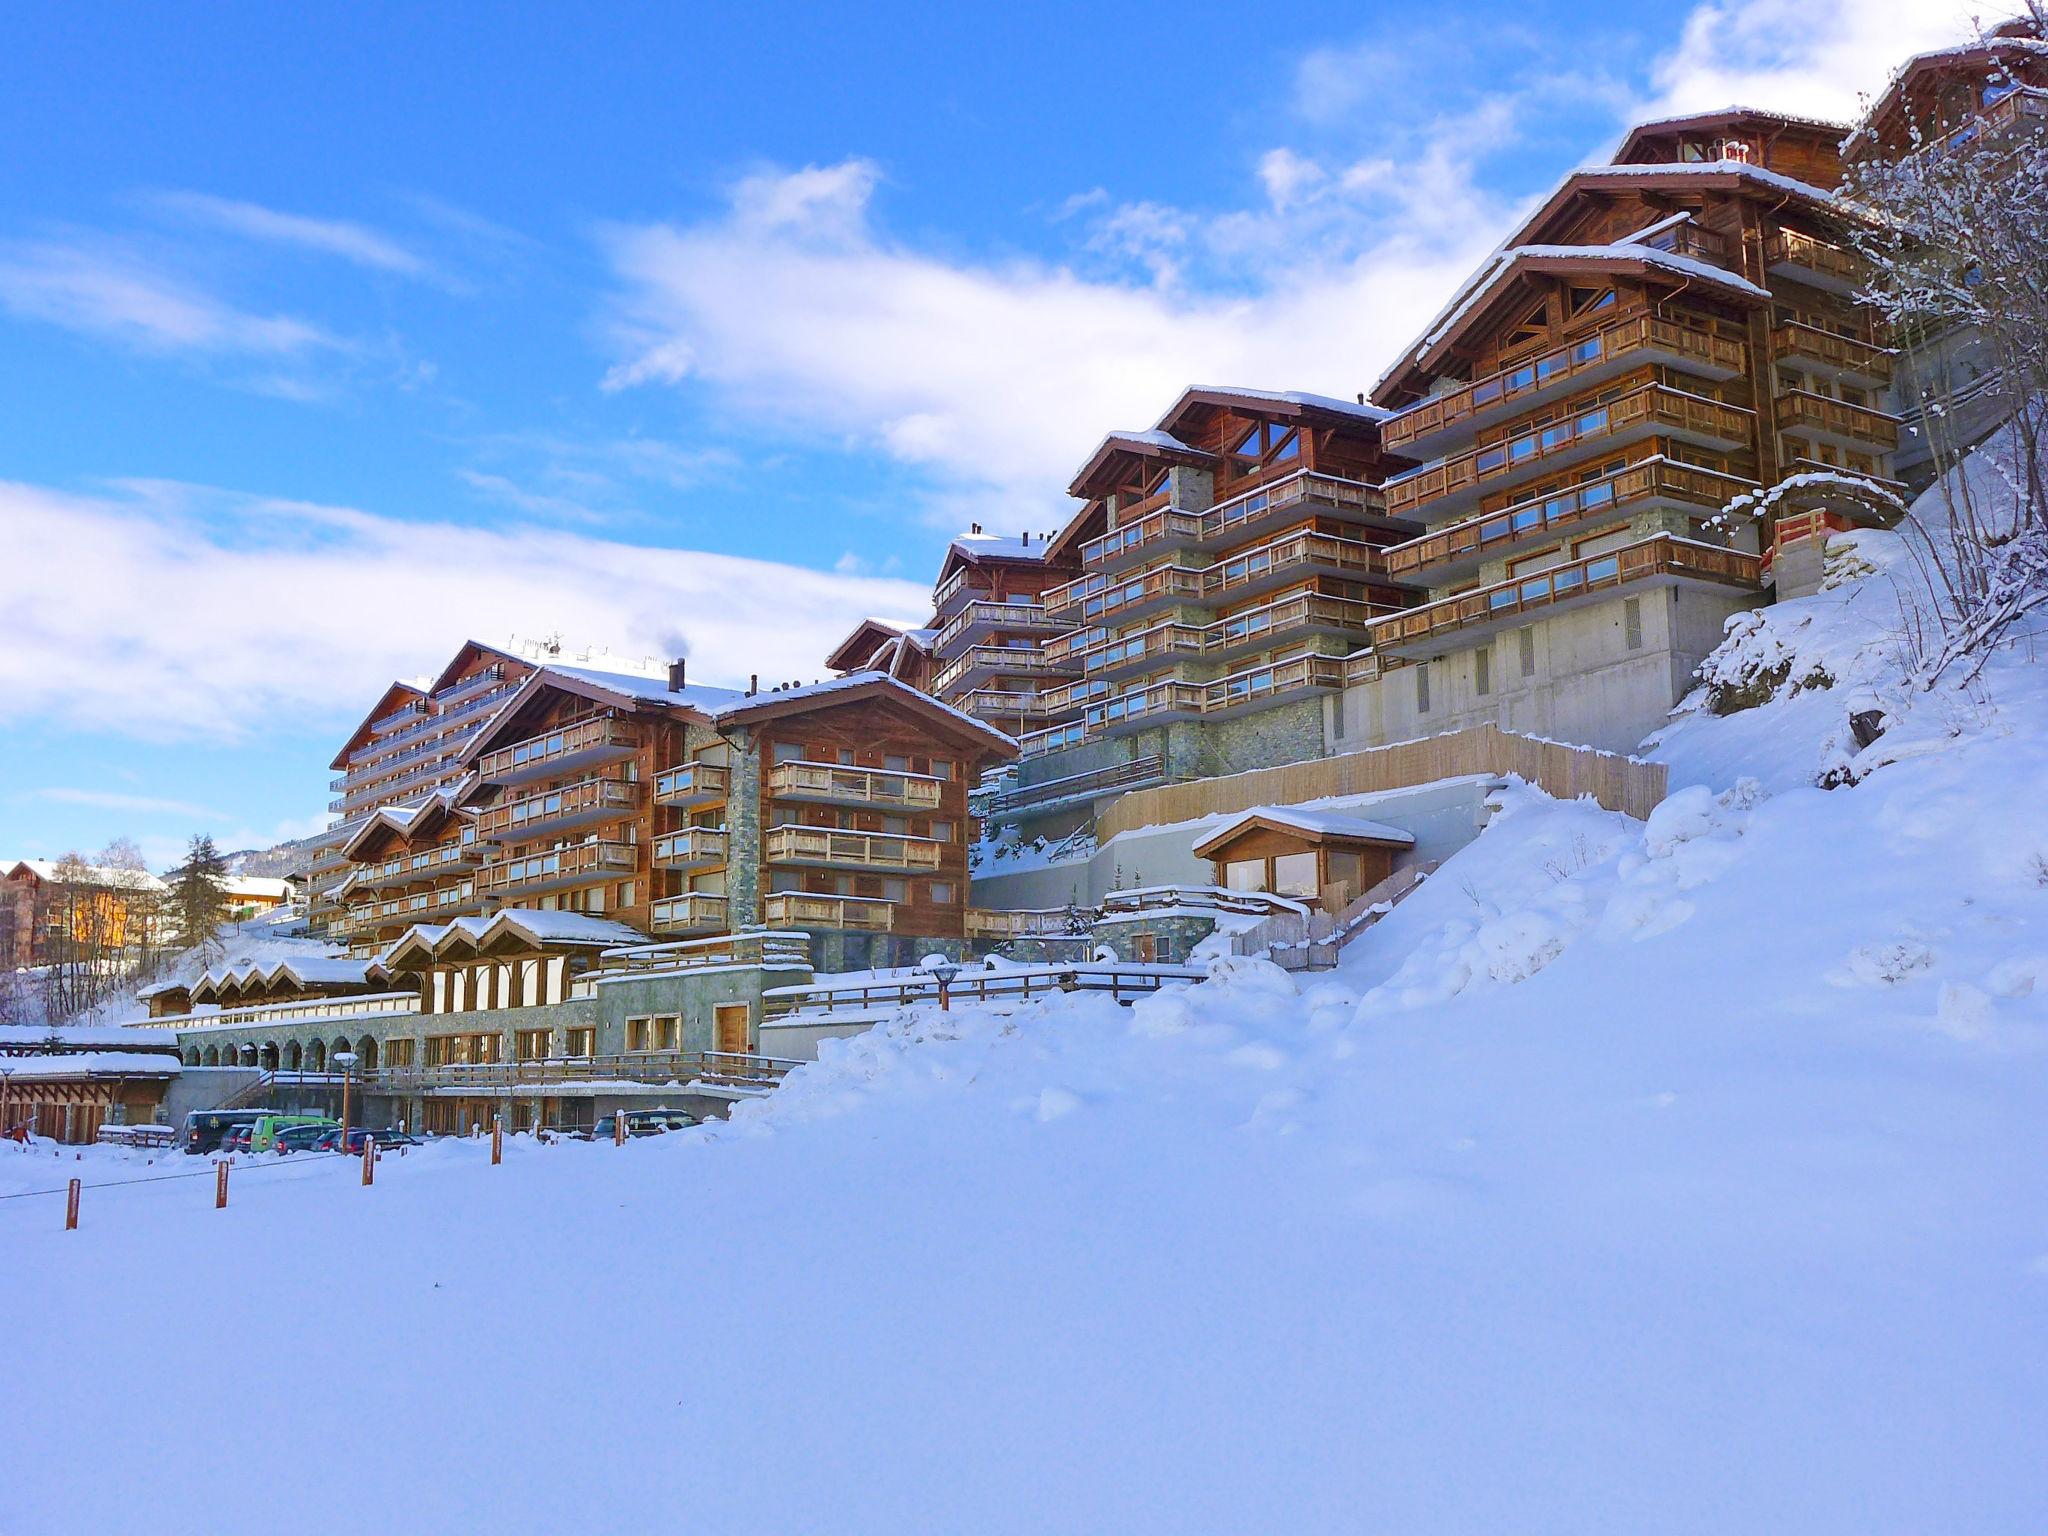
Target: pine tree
[{"x": 198, "y": 899}]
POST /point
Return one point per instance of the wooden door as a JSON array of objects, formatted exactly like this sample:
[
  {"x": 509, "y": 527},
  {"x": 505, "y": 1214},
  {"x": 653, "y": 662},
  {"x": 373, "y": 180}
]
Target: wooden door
[
  {"x": 1145, "y": 948},
  {"x": 732, "y": 1020}
]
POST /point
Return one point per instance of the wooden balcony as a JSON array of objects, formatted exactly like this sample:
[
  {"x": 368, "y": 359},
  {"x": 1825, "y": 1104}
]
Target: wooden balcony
[
  {"x": 1471, "y": 616},
  {"x": 1123, "y": 654},
  {"x": 981, "y": 663},
  {"x": 412, "y": 868},
  {"x": 1456, "y": 485},
  {"x": 584, "y": 803},
  {"x": 963, "y": 586},
  {"x": 1256, "y": 687},
  {"x": 1070, "y": 696},
  {"x": 587, "y": 744},
  {"x": 1278, "y": 561},
  {"x": 697, "y": 783},
  {"x": 692, "y": 912},
  {"x": 1036, "y": 923},
  {"x": 1821, "y": 419},
  {"x": 1162, "y": 528},
  {"x": 1153, "y": 704},
  {"x": 1000, "y": 705},
  {"x": 557, "y": 869},
  {"x": 1837, "y": 357},
  {"x": 1288, "y": 618},
  {"x": 1807, "y": 259},
  {"x": 1453, "y": 553},
  {"x": 981, "y": 618},
  {"x": 804, "y": 909},
  {"x": 1443, "y": 422},
  {"x": 690, "y": 848},
  {"x": 830, "y": 848},
  {"x": 1097, "y": 596},
  {"x": 834, "y": 784},
  {"x": 1296, "y": 495}
]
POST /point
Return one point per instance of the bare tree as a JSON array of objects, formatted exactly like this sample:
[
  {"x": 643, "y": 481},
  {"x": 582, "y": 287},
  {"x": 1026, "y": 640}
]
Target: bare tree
[{"x": 1956, "y": 232}]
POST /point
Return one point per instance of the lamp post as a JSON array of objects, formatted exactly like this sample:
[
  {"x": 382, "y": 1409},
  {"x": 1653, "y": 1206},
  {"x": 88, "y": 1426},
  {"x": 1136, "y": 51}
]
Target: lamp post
[
  {"x": 942, "y": 969},
  {"x": 345, "y": 1060}
]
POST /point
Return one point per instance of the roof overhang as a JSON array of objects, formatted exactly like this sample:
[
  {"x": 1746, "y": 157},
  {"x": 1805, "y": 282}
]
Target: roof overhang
[{"x": 1362, "y": 835}]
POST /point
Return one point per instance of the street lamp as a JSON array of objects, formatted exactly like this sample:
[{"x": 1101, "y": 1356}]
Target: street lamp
[
  {"x": 942, "y": 969},
  {"x": 345, "y": 1060}
]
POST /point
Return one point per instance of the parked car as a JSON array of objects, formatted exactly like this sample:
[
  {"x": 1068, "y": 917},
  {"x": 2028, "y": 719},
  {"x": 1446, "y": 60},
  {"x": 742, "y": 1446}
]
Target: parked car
[
  {"x": 206, "y": 1129},
  {"x": 331, "y": 1139},
  {"x": 299, "y": 1138},
  {"x": 268, "y": 1124},
  {"x": 654, "y": 1122},
  {"x": 238, "y": 1137}
]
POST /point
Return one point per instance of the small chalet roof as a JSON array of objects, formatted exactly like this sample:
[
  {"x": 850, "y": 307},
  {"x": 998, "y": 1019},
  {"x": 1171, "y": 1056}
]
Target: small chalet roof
[
  {"x": 1271, "y": 402},
  {"x": 105, "y": 877},
  {"x": 859, "y": 685},
  {"x": 868, "y": 637},
  {"x": 256, "y": 887},
  {"x": 161, "y": 989},
  {"x": 70, "y": 1066},
  {"x": 976, "y": 546},
  {"x": 1723, "y": 118},
  {"x": 395, "y": 696},
  {"x": 2003, "y": 42},
  {"x": 1149, "y": 444},
  {"x": 467, "y": 651},
  {"x": 1316, "y": 827},
  {"x": 630, "y": 691},
  {"x": 425, "y": 943}
]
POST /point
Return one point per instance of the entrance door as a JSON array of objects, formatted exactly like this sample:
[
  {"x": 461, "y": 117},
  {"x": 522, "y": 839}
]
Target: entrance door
[
  {"x": 1145, "y": 948},
  {"x": 731, "y": 1020}
]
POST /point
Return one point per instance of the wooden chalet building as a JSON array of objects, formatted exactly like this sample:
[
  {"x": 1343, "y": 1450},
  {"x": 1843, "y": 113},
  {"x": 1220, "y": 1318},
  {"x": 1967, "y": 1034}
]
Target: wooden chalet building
[
  {"x": 51, "y": 911},
  {"x": 987, "y": 656},
  {"x": 897, "y": 647},
  {"x": 1232, "y": 558},
  {"x": 66, "y": 1083}
]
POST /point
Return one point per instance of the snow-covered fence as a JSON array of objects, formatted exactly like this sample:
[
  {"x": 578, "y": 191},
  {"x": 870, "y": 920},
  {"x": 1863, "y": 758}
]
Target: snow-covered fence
[{"x": 1124, "y": 982}]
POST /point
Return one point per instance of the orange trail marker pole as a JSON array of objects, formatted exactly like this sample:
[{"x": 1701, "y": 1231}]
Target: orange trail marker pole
[
  {"x": 618, "y": 1127},
  {"x": 220, "y": 1185},
  {"x": 71, "y": 1206},
  {"x": 497, "y": 1140},
  {"x": 369, "y": 1162}
]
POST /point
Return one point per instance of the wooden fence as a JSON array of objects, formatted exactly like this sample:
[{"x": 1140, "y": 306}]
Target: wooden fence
[{"x": 1624, "y": 784}]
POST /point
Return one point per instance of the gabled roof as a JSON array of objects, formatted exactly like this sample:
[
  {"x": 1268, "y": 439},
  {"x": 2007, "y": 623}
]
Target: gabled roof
[
  {"x": 2003, "y": 43},
  {"x": 395, "y": 696},
  {"x": 854, "y": 687},
  {"x": 425, "y": 943},
  {"x": 868, "y": 637},
  {"x": 1701, "y": 176},
  {"x": 1285, "y": 404},
  {"x": 1152, "y": 445},
  {"x": 625, "y": 691},
  {"x": 100, "y": 876},
  {"x": 1316, "y": 827},
  {"x": 468, "y": 651},
  {"x": 1721, "y": 119}
]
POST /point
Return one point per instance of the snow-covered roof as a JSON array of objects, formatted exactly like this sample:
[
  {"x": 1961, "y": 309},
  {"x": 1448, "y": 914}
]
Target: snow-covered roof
[
  {"x": 538, "y": 926},
  {"x": 1716, "y": 114},
  {"x": 1318, "y": 823},
  {"x": 1360, "y": 409},
  {"x": 864, "y": 679},
  {"x": 1690, "y": 170},
  {"x": 79, "y": 1037},
  {"x": 255, "y": 887},
  {"x": 110, "y": 877},
  {"x": 76, "y": 1064},
  {"x": 1000, "y": 546},
  {"x": 703, "y": 696}
]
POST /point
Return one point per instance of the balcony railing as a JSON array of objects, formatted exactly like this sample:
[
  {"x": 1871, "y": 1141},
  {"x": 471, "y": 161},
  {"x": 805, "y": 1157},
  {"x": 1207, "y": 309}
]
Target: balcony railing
[
  {"x": 1097, "y": 595},
  {"x": 428, "y": 864},
  {"x": 1803, "y": 255},
  {"x": 999, "y": 661},
  {"x": 584, "y": 803},
  {"x": 958, "y": 588},
  {"x": 384, "y": 724},
  {"x": 482, "y": 677},
  {"x": 1231, "y": 515},
  {"x": 1838, "y": 354},
  {"x": 1160, "y": 526},
  {"x": 1161, "y": 642},
  {"x": 691, "y": 912},
  {"x": 1178, "y": 698},
  {"x": 557, "y": 868},
  {"x": 1527, "y": 381},
  {"x": 690, "y": 848},
  {"x": 1507, "y": 601},
  {"x": 1000, "y": 704},
  {"x": 1493, "y": 533},
  {"x": 1073, "y": 695},
  {"x": 694, "y": 783},
  {"x": 1279, "y": 558},
  {"x": 984, "y": 617},
  {"x": 604, "y": 739},
  {"x": 1837, "y": 420},
  {"x": 836, "y": 784},
  {"x": 804, "y": 909},
  {"x": 1584, "y": 429},
  {"x": 830, "y": 848}
]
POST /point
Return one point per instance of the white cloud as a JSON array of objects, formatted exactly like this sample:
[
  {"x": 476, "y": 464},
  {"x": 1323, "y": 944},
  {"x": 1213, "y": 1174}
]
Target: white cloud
[
  {"x": 172, "y": 612},
  {"x": 89, "y": 286},
  {"x": 1816, "y": 58},
  {"x": 334, "y": 237},
  {"x": 144, "y": 805}
]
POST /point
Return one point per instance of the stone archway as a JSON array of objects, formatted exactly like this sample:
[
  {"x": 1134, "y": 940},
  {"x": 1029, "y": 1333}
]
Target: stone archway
[
  {"x": 247, "y": 1056},
  {"x": 294, "y": 1057},
  {"x": 366, "y": 1054},
  {"x": 191, "y": 1055},
  {"x": 316, "y": 1057},
  {"x": 266, "y": 1056},
  {"x": 211, "y": 1058},
  {"x": 339, "y": 1046}
]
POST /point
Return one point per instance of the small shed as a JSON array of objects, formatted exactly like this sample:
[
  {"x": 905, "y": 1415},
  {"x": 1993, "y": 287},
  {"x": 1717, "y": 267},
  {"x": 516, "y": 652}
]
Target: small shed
[{"x": 1311, "y": 855}]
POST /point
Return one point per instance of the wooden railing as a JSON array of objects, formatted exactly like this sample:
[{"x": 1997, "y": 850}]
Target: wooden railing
[
  {"x": 1800, "y": 410},
  {"x": 1034, "y": 923},
  {"x": 1028, "y": 614},
  {"x": 807, "y": 909},
  {"x": 1097, "y": 781},
  {"x": 424, "y": 865},
  {"x": 1588, "y": 500},
  {"x": 557, "y": 864},
  {"x": 1792, "y": 248},
  {"x": 755, "y": 946},
  {"x": 1307, "y": 485},
  {"x": 726, "y": 1069},
  {"x": 1790, "y": 338},
  {"x": 537, "y": 752},
  {"x": 1633, "y": 333},
  {"x": 691, "y": 912},
  {"x": 1650, "y": 404},
  {"x": 1004, "y": 660},
  {"x": 696, "y": 782},
  {"x": 1096, "y": 595},
  {"x": 855, "y": 850},
  {"x": 1245, "y": 566},
  {"x": 690, "y": 846},
  {"x": 1162, "y": 525},
  {"x": 1662, "y": 555},
  {"x": 855, "y": 786},
  {"x": 1003, "y": 704},
  {"x": 531, "y": 815},
  {"x": 1123, "y": 982}
]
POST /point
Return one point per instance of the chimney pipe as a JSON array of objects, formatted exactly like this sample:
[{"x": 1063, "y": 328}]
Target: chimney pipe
[
  {"x": 676, "y": 672},
  {"x": 753, "y": 684}
]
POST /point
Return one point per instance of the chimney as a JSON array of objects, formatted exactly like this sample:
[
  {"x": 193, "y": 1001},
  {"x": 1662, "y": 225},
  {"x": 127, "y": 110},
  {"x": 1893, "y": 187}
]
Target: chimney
[
  {"x": 676, "y": 672},
  {"x": 974, "y": 527},
  {"x": 1361, "y": 397},
  {"x": 753, "y": 684},
  {"x": 1027, "y": 541}
]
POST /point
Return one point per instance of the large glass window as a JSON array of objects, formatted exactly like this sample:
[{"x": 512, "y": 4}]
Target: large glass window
[
  {"x": 1245, "y": 874},
  {"x": 1294, "y": 874}
]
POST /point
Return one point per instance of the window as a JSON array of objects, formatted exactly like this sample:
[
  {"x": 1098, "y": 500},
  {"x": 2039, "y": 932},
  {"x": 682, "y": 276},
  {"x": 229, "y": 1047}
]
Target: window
[
  {"x": 581, "y": 1042},
  {"x": 896, "y": 763},
  {"x": 895, "y": 890},
  {"x": 1245, "y": 875},
  {"x": 942, "y": 831},
  {"x": 656, "y": 1032},
  {"x": 942, "y": 768},
  {"x": 626, "y": 894},
  {"x": 398, "y": 1053},
  {"x": 896, "y": 826},
  {"x": 1527, "y": 637},
  {"x": 1294, "y": 874},
  {"x": 941, "y": 892},
  {"x": 1632, "y": 623},
  {"x": 531, "y": 1044},
  {"x": 1422, "y": 688},
  {"x": 846, "y": 757},
  {"x": 789, "y": 752},
  {"x": 1482, "y": 671}
]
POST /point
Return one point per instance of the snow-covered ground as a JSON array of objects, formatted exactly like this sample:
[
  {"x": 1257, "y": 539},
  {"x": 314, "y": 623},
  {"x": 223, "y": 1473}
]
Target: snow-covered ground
[{"x": 1679, "y": 1177}]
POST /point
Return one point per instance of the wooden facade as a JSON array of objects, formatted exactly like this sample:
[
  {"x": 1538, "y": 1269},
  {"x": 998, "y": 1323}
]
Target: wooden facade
[
  {"x": 1998, "y": 83},
  {"x": 989, "y": 621}
]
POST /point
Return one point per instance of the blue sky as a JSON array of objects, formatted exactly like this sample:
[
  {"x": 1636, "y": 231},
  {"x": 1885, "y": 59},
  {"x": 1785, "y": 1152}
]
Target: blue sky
[{"x": 335, "y": 334}]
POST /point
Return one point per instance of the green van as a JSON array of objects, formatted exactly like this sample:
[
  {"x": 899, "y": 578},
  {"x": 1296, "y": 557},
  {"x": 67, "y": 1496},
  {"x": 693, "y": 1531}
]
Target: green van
[{"x": 264, "y": 1132}]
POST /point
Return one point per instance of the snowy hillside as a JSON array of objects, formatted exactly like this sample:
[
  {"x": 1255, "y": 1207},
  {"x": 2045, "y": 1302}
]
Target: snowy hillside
[{"x": 1689, "y": 1176}]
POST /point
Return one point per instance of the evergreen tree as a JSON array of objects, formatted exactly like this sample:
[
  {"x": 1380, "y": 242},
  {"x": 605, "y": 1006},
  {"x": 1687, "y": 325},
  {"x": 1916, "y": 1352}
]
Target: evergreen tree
[{"x": 198, "y": 899}]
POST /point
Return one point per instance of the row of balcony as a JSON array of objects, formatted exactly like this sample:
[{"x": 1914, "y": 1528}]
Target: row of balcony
[
  {"x": 1258, "y": 628},
  {"x": 700, "y": 782},
  {"x": 1141, "y": 531},
  {"x": 427, "y": 864},
  {"x": 1821, "y": 418},
  {"x": 833, "y": 848},
  {"x": 1432, "y": 426},
  {"x": 982, "y": 618},
  {"x": 557, "y": 868},
  {"x": 368, "y": 917},
  {"x": 980, "y": 663},
  {"x": 844, "y": 784},
  {"x": 1175, "y": 698},
  {"x": 586, "y": 802},
  {"x": 1816, "y": 262},
  {"x": 587, "y": 743},
  {"x": 1456, "y": 484},
  {"x": 708, "y": 912},
  {"x": 1848, "y": 358}
]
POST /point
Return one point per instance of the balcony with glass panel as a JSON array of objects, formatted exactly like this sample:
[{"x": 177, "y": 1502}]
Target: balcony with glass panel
[
  {"x": 1294, "y": 617},
  {"x": 691, "y": 912},
  {"x": 838, "y": 784},
  {"x": 557, "y": 869},
  {"x": 1456, "y": 552},
  {"x": 1816, "y": 262},
  {"x": 701, "y": 782},
  {"x": 410, "y": 868},
  {"x": 999, "y": 706},
  {"x": 1098, "y": 596},
  {"x": 986, "y": 663},
  {"x": 1247, "y": 572},
  {"x": 586, "y": 802},
  {"x": 1470, "y": 617},
  {"x": 690, "y": 848},
  {"x": 1140, "y": 534},
  {"x": 1822, "y": 419},
  {"x": 1452, "y": 419},
  {"x": 1455, "y": 485},
  {"x": 586, "y": 744},
  {"x": 1847, "y": 359},
  {"x": 807, "y": 909},
  {"x": 980, "y": 619}
]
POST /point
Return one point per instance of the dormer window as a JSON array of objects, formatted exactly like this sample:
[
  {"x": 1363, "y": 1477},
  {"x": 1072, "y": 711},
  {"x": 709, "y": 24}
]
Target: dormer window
[
  {"x": 1590, "y": 301},
  {"x": 1268, "y": 442}
]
